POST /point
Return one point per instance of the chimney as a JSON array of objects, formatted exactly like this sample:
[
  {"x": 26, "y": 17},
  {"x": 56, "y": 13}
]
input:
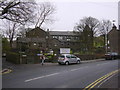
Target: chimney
[{"x": 114, "y": 27}]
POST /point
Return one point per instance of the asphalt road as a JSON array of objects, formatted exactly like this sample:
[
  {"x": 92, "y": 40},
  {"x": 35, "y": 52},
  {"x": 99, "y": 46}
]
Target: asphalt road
[{"x": 102, "y": 74}]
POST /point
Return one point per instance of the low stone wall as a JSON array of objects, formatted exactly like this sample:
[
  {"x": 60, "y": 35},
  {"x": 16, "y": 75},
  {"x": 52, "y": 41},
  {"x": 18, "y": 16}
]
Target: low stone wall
[
  {"x": 90, "y": 57},
  {"x": 34, "y": 59}
]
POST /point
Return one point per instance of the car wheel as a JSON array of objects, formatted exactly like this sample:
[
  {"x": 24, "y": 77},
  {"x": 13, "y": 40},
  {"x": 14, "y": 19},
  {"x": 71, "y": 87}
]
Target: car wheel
[
  {"x": 78, "y": 62},
  {"x": 67, "y": 63}
]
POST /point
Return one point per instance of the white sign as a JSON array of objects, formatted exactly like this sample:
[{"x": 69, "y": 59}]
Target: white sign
[
  {"x": 64, "y": 50},
  {"x": 39, "y": 54}
]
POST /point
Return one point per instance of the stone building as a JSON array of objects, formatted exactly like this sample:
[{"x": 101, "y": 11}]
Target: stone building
[
  {"x": 64, "y": 39},
  {"x": 114, "y": 40},
  {"x": 40, "y": 40},
  {"x": 35, "y": 39}
]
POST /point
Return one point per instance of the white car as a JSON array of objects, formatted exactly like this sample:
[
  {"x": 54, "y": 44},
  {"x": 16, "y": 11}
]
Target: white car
[{"x": 68, "y": 59}]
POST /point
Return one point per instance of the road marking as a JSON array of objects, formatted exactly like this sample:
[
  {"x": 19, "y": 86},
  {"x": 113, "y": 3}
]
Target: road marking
[
  {"x": 104, "y": 77},
  {"x": 51, "y": 74},
  {"x": 106, "y": 80},
  {"x": 8, "y": 71},
  {"x": 101, "y": 79},
  {"x": 41, "y": 77},
  {"x": 74, "y": 69},
  {"x": 78, "y": 68}
]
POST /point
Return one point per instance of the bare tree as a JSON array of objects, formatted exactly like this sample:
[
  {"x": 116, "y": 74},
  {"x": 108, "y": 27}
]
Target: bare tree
[
  {"x": 93, "y": 24},
  {"x": 105, "y": 27},
  {"x": 17, "y": 10},
  {"x": 15, "y": 13},
  {"x": 10, "y": 30},
  {"x": 22, "y": 32},
  {"x": 45, "y": 11},
  {"x": 87, "y": 29}
]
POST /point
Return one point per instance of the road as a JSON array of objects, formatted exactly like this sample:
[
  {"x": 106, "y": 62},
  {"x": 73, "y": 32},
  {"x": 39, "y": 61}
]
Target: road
[{"x": 102, "y": 74}]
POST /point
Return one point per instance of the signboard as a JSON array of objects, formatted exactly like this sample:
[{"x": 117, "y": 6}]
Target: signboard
[
  {"x": 39, "y": 54},
  {"x": 24, "y": 55},
  {"x": 65, "y": 50}
]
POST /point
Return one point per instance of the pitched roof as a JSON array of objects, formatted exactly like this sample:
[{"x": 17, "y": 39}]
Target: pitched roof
[
  {"x": 62, "y": 33},
  {"x": 32, "y": 29},
  {"x": 19, "y": 39}
]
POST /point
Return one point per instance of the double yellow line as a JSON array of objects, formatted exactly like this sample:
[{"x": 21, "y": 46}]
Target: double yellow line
[{"x": 98, "y": 81}]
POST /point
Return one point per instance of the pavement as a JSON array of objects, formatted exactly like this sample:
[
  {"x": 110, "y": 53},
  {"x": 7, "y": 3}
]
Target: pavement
[{"x": 8, "y": 67}]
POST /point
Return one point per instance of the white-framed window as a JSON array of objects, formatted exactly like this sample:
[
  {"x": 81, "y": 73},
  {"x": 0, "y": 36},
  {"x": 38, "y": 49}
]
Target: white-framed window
[
  {"x": 55, "y": 37},
  {"x": 60, "y": 38}
]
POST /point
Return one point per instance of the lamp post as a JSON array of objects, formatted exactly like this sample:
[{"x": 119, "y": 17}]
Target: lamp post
[{"x": 47, "y": 40}]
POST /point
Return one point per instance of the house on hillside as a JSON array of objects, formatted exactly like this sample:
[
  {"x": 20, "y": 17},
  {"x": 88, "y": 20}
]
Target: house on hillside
[
  {"x": 114, "y": 40},
  {"x": 64, "y": 39},
  {"x": 41, "y": 40},
  {"x": 35, "y": 39}
]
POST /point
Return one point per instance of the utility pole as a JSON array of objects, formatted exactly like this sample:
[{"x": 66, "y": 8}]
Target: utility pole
[
  {"x": 106, "y": 41},
  {"x": 47, "y": 40}
]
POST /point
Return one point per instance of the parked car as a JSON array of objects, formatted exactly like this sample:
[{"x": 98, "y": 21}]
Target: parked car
[
  {"x": 68, "y": 59},
  {"x": 111, "y": 55}
]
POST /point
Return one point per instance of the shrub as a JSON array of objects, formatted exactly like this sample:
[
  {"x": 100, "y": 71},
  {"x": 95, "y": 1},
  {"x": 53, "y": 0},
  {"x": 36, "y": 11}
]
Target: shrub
[
  {"x": 89, "y": 56},
  {"x": 13, "y": 57}
]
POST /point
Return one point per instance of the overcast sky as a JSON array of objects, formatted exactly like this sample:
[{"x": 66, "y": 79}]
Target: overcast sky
[{"x": 69, "y": 12}]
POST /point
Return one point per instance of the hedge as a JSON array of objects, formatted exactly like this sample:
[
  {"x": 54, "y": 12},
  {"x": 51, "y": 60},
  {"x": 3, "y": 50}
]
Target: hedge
[
  {"x": 90, "y": 57},
  {"x": 13, "y": 57}
]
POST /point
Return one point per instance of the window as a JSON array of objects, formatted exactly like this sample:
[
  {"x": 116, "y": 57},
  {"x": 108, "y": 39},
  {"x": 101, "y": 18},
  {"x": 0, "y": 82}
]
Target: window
[
  {"x": 60, "y": 38},
  {"x": 64, "y": 38},
  {"x": 68, "y": 56},
  {"x": 62, "y": 56},
  {"x": 68, "y": 39},
  {"x": 62, "y": 43},
  {"x": 55, "y": 37},
  {"x": 73, "y": 56}
]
